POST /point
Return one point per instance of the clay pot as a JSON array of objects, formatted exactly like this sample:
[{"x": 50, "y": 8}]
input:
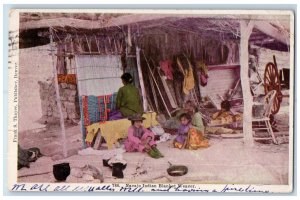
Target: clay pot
[
  {"x": 117, "y": 170},
  {"x": 61, "y": 171}
]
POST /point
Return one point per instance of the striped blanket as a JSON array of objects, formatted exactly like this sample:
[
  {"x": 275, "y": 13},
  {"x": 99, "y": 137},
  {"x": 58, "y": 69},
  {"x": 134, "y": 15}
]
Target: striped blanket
[{"x": 95, "y": 109}]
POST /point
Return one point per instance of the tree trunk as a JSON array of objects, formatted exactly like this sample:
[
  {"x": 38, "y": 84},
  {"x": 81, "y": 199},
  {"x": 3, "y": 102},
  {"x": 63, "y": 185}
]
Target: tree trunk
[{"x": 246, "y": 30}]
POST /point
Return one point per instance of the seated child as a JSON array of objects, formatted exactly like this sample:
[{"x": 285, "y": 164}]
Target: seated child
[
  {"x": 185, "y": 124},
  {"x": 189, "y": 137},
  {"x": 173, "y": 122},
  {"x": 223, "y": 117},
  {"x": 140, "y": 139},
  {"x": 196, "y": 117}
]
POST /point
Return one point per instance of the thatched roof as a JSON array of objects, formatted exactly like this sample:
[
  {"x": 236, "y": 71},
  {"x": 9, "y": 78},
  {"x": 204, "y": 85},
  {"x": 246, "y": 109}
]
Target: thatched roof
[{"x": 221, "y": 26}]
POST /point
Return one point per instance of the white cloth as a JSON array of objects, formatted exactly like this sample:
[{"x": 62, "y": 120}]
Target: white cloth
[
  {"x": 117, "y": 159},
  {"x": 157, "y": 130}
]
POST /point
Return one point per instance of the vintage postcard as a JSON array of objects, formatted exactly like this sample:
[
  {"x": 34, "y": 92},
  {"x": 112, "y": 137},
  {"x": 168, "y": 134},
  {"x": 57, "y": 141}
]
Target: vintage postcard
[{"x": 151, "y": 101}]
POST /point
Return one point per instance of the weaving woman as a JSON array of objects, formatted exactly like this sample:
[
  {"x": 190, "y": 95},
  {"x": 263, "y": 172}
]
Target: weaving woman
[{"x": 128, "y": 100}]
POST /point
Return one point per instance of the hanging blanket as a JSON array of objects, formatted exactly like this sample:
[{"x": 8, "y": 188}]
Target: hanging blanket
[
  {"x": 166, "y": 66},
  {"x": 189, "y": 81},
  {"x": 203, "y": 75},
  {"x": 97, "y": 108}
]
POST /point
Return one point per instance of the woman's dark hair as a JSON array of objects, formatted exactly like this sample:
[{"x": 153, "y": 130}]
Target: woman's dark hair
[
  {"x": 127, "y": 78},
  {"x": 185, "y": 115},
  {"x": 225, "y": 105}
]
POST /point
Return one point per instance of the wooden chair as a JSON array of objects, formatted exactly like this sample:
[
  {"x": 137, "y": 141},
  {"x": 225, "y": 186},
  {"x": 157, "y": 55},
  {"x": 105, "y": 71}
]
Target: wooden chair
[{"x": 265, "y": 118}]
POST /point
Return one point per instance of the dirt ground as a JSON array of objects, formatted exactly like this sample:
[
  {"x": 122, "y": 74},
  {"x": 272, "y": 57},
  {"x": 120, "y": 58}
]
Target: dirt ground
[{"x": 225, "y": 161}]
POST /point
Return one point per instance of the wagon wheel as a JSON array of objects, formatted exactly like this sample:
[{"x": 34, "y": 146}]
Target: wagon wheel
[{"x": 272, "y": 82}]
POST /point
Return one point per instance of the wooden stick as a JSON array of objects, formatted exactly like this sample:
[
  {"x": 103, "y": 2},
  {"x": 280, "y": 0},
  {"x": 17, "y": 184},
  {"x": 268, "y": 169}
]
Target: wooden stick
[
  {"x": 234, "y": 89},
  {"x": 98, "y": 141},
  {"x": 154, "y": 94},
  {"x": 72, "y": 52},
  {"x": 274, "y": 59},
  {"x": 58, "y": 100},
  {"x": 195, "y": 96},
  {"x": 129, "y": 36},
  {"x": 138, "y": 61},
  {"x": 169, "y": 95},
  {"x": 26, "y": 175},
  {"x": 166, "y": 86},
  {"x": 150, "y": 104},
  {"x": 115, "y": 45},
  {"x": 97, "y": 43},
  {"x": 88, "y": 43},
  {"x": 157, "y": 85},
  {"x": 105, "y": 47}
]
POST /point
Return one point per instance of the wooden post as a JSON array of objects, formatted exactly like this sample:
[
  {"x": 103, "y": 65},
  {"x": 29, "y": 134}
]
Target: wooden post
[
  {"x": 58, "y": 101},
  {"x": 138, "y": 61},
  {"x": 246, "y": 30}
]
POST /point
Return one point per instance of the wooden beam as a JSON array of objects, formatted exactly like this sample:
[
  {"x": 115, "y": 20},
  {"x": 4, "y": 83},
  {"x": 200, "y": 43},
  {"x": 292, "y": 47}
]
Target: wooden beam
[
  {"x": 152, "y": 75},
  {"x": 270, "y": 30},
  {"x": 89, "y": 24},
  {"x": 58, "y": 100},
  {"x": 141, "y": 79},
  {"x": 246, "y": 29}
]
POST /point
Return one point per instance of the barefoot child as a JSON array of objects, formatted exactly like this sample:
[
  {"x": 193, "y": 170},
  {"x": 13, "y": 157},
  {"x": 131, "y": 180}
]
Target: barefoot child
[
  {"x": 189, "y": 137},
  {"x": 140, "y": 139}
]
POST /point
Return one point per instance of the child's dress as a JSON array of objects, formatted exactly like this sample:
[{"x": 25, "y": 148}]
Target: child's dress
[
  {"x": 137, "y": 139},
  {"x": 196, "y": 139},
  {"x": 179, "y": 141},
  {"x": 190, "y": 137}
]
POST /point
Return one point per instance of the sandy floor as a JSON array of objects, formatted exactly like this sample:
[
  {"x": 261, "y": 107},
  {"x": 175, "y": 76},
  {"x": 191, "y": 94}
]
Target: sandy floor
[{"x": 226, "y": 161}]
